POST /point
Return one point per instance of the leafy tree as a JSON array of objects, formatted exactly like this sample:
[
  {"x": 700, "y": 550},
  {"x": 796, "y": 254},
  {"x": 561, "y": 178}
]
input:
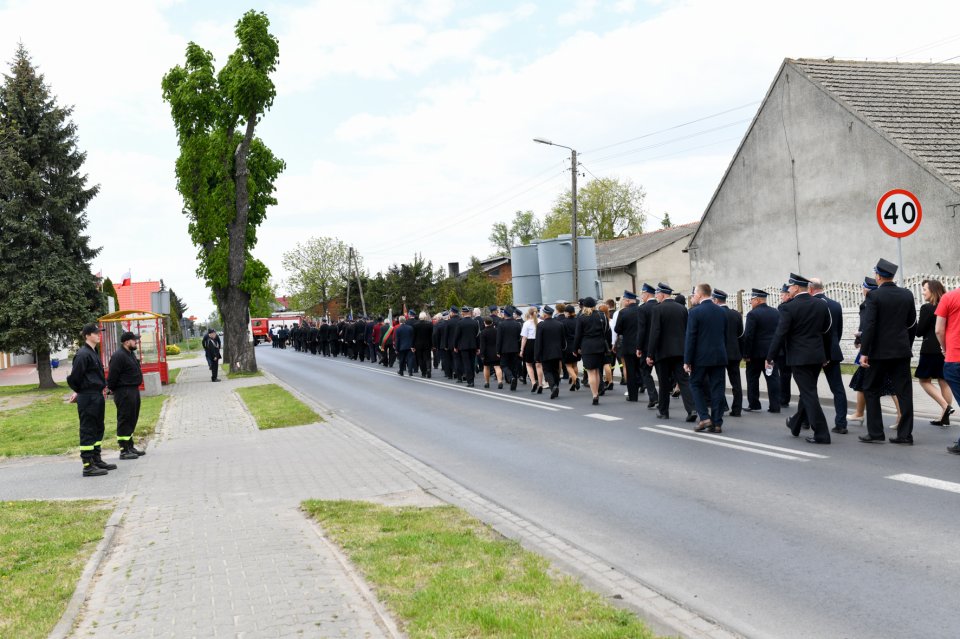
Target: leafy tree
[
  {"x": 606, "y": 209},
  {"x": 478, "y": 289},
  {"x": 666, "y": 222},
  {"x": 316, "y": 270},
  {"x": 111, "y": 291},
  {"x": 263, "y": 300},
  {"x": 177, "y": 310},
  {"x": 226, "y": 174},
  {"x": 524, "y": 228},
  {"x": 46, "y": 286},
  {"x": 500, "y": 238}
]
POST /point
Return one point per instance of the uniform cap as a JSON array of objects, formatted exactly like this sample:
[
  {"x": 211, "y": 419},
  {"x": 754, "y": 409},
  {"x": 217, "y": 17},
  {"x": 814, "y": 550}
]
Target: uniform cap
[
  {"x": 798, "y": 280},
  {"x": 629, "y": 295},
  {"x": 885, "y": 268},
  {"x": 785, "y": 288},
  {"x": 648, "y": 289},
  {"x": 870, "y": 283},
  {"x": 454, "y": 310},
  {"x": 664, "y": 288},
  {"x": 756, "y": 292},
  {"x": 492, "y": 308},
  {"x": 588, "y": 302},
  {"x": 465, "y": 309},
  {"x": 548, "y": 309},
  {"x": 720, "y": 295}
]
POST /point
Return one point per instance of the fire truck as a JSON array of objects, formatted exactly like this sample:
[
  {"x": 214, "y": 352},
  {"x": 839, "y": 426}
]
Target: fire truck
[{"x": 260, "y": 326}]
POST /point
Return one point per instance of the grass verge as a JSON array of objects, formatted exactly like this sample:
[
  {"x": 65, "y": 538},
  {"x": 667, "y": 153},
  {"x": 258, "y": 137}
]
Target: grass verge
[
  {"x": 446, "y": 574},
  {"x": 226, "y": 371},
  {"x": 274, "y": 407},
  {"x": 48, "y": 426},
  {"x": 45, "y": 547},
  {"x": 174, "y": 373}
]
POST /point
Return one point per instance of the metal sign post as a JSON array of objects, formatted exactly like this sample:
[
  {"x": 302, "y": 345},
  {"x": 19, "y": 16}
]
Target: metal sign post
[{"x": 899, "y": 214}]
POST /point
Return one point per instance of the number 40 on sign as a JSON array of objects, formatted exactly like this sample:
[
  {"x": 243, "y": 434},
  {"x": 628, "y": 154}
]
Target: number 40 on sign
[{"x": 899, "y": 213}]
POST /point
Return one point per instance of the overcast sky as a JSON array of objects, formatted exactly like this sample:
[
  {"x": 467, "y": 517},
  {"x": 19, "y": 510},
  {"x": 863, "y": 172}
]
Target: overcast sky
[{"x": 407, "y": 126}]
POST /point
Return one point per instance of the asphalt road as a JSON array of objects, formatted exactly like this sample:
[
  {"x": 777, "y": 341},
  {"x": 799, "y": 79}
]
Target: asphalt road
[{"x": 770, "y": 535}]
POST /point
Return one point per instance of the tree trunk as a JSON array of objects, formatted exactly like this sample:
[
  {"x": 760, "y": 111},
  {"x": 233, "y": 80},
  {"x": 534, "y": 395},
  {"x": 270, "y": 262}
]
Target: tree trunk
[
  {"x": 44, "y": 370},
  {"x": 236, "y": 323}
]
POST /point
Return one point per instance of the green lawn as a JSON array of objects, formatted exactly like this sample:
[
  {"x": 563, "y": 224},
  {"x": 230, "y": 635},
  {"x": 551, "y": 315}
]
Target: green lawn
[
  {"x": 45, "y": 546},
  {"x": 48, "y": 426},
  {"x": 446, "y": 574},
  {"x": 274, "y": 407},
  {"x": 174, "y": 373},
  {"x": 226, "y": 371}
]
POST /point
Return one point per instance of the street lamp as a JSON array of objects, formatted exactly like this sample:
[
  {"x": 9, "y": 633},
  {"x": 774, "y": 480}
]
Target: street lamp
[{"x": 573, "y": 217}]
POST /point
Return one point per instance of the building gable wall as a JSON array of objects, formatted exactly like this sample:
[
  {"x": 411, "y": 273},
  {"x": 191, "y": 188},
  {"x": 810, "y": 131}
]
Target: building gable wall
[{"x": 801, "y": 194}]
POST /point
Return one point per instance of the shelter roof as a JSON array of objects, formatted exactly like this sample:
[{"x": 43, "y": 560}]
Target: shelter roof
[
  {"x": 136, "y": 295},
  {"x": 627, "y": 250}
]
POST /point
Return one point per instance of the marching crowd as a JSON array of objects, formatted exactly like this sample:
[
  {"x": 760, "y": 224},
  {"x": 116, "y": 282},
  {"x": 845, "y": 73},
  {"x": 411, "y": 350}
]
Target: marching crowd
[{"x": 670, "y": 347}]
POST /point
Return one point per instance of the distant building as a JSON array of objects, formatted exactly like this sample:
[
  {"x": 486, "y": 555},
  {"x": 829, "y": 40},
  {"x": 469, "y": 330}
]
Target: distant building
[
  {"x": 831, "y": 137},
  {"x": 497, "y": 268},
  {"x": 136, "y": 295},
  {"x": 658, "y": 256}
]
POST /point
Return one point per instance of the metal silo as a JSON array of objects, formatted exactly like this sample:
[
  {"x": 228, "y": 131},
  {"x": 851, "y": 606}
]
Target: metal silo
[
  {"x": 526, "y": 275},
  {"x": 556, "y": 262}
]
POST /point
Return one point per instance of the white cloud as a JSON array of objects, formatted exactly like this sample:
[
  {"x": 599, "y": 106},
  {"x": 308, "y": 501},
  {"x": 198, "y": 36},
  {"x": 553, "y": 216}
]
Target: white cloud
[
  {"x": 624, "y": 6},
  {"x": 582, "y": 11}
]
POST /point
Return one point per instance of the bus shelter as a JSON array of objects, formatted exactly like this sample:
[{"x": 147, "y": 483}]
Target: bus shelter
[{"x": 152, "y": 349}]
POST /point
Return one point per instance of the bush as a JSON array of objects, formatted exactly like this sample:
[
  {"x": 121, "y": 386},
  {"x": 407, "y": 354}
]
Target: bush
[{"x": 173, "y": 349}]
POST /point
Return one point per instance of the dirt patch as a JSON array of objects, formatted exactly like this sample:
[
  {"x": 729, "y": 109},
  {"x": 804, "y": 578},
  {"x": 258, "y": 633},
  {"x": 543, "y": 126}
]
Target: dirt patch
[{"x": 19, "y": 401}]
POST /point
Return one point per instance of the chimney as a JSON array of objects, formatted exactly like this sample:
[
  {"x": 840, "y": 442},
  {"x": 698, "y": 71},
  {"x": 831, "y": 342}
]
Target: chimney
[{"x": 453, "y": 269}]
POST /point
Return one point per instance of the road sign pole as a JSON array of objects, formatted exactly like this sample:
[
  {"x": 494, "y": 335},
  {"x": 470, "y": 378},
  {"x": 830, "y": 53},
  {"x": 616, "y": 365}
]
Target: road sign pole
[{"x": 900, "y": 258}]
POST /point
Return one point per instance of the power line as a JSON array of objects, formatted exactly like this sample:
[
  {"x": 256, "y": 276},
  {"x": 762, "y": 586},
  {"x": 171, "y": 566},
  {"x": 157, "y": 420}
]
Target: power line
[
  {"x": 670, "y": 141},
  {"x": 929, "y": 45},
  {"x": 948, "y": 59},
  {"x": 671, "y": 128}
]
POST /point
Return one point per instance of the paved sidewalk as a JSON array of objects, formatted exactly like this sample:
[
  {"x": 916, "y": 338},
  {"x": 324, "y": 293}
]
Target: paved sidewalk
[{"x": 213, "y": 544}]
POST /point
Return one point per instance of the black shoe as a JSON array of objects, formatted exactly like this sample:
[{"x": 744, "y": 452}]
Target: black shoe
[
  {"x": 623, "y": 382},
  {"x": 500, "y": 386},
  {"x": 128, "y": 454},
  {"x": 955, "y": 449},
  {"x": 632, "y": 399},
  {"x": 867, "y": 439},
  {"x": 736, "y": 414},
  {"x": 692, "y": 417},
  {"x": 400, "y": 373},
  {"x": 609, "y": 385},
  {"x": 554, "y": 392},
  {"x": 533, "y": 389},
  {"x": 513, "y": 384},
  {"x": 215, "y": 380},
  {"x": 652, "y": 405},
  {"x": 469, "y": 384},
  {"x": 907, "y": 441},
  {"x": 773, "y": 410},
  {"x": 751, "y": 410},
  {"x": 99, "y": 463},
  {"x": 663, "y": 415},
  {"x": 838, "y": 430},
  {"x": 675, "y": 393},
  {"x": 795, "y": 431},
  {"x": 596, "y": 401},
  {"x": 486, "y": 385},
  {"x": 89, "y": 470},
  {"x": 578, "y": 384},
  {"x": 814, "y": 440}
]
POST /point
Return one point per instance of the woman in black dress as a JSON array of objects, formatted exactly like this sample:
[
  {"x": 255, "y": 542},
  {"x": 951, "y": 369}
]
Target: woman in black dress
[
  {"x": 488, "y": 353},
  {"x": 570, "y": 357},
  {"x": 590, "y": 342},
  {"x": 930, "y": 365}
]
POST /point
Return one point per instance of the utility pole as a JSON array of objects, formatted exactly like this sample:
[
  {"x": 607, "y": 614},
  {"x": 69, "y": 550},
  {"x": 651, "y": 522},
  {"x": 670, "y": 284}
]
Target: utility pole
[
  {"x": 356, "y": 271},
  {"x": 573, "y": 224}
]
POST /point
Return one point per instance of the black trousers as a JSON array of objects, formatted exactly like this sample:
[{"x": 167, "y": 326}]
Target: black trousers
[
  {"x": 898, "y": 370},
  {"x": 509, "y": 364},
  {"x": 468, "y": 358},
  {"x": 785, "y": 375},
  {"x": 809, "y": 402},
  {"x": 736, "y": 386},
  {"x": 755, "y": 369},
  {"x": 706, "y": 382},
  {"x": 456, "y": 364},
  {"x": 551, "y": 372},
  {"x": 446, "y": 362},
  {"x": 669, "y": 372},
  {"x": 646, "y": 377},
  {"x": 214, "y": 365},
  {"x": 91, "y": 408},
  {"x": 127, "y": 399},
  {"x": 632, "y": 365},
  {"x": 423, "y": 361}
]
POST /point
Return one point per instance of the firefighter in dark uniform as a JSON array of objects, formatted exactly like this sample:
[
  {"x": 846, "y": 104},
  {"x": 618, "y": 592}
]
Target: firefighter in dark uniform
[
  {"x": 758, "y": 331},
  {"x": 124, "y": 382},
  {"x": 734, "y": 334},
  {"x": 88, "y": 383}
]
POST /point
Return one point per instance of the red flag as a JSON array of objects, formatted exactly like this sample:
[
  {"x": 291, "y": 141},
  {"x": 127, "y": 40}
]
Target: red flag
[{"x": 126, "y": 279}]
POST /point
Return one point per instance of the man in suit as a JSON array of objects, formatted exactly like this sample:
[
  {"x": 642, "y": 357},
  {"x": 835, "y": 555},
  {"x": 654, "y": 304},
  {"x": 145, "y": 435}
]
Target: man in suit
[
  {"x": 705, "y": 358},
  {"x": 508, "y": 346},
  {"x": 451, "y": 344},
  {"x": 627, "y": 327},
  {"x": 758, "y": 332},
  {"x": 548, "y": 349},
  {"x": 888, "y": 322},
  {"x": 465, "y": 345},
  {"x": 403, "y": 342},
  {"x": 785, "y": 373},
  {"x": 804, "y": 332},
  {"x": 644, "y": 314},
  {"x": 832, "y": 370},
  {"x": 668, "y": 326},
  {"x": 734, "y": 333},
  {"x": 423, "y": 343}
]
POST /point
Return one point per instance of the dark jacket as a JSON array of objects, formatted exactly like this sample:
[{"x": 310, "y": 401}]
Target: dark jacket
[
  {"x": 403, "y": 337},
  {"x": 593, "y": 334},
  {"x": 450, "y": 333},
  {"x": 86, "y": 376},
  {"x": 888, "y": 322},
  {"x": 551, "y": 340},
  {"x": 734, "y": 334},
  {"x": 212, "y": 348},
  {"x": 465, "y": 335},
  {"x": 668, "y": 328},
  {"x": 124, "y": 370},
  {"x": 758, "y": 331},
  {"x": 488, "y": 344},
  {"x": 628, "y": 328},
  {"x": 569, "y": 331},
  {"x": 836, "y": 326},
  {"x": 803, "y": 331},
  {"x": 645, "y": 313},
  {"x": 439, "y": 330},
  {"x": 926, "y": 325},
  {"x": 508, "y": 336},
  {"x": 706, "y": 335},
  {"x": 423, "y": 335}
]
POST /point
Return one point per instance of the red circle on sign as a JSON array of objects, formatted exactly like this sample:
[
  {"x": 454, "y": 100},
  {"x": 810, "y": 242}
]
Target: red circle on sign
[{"x": 880, "y": 207}]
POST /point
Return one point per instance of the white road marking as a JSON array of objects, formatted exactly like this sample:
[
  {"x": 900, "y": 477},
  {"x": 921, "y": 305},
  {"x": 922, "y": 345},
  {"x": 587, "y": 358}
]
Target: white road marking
[
  {"x": 749, "y": 443},
  {"x": 472, "y": 391},
  {"x": 719, "y": 442},
  {"x": 602, "y": 417},
  {"x": 929, "y": 482}
]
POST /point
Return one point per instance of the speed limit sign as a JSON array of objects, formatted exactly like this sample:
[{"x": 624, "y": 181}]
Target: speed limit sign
[{"x": 899, "y": 213}]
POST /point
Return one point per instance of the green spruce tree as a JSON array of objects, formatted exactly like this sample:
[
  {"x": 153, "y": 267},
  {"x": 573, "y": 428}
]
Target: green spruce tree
[{"x": 46, "y": 286}]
